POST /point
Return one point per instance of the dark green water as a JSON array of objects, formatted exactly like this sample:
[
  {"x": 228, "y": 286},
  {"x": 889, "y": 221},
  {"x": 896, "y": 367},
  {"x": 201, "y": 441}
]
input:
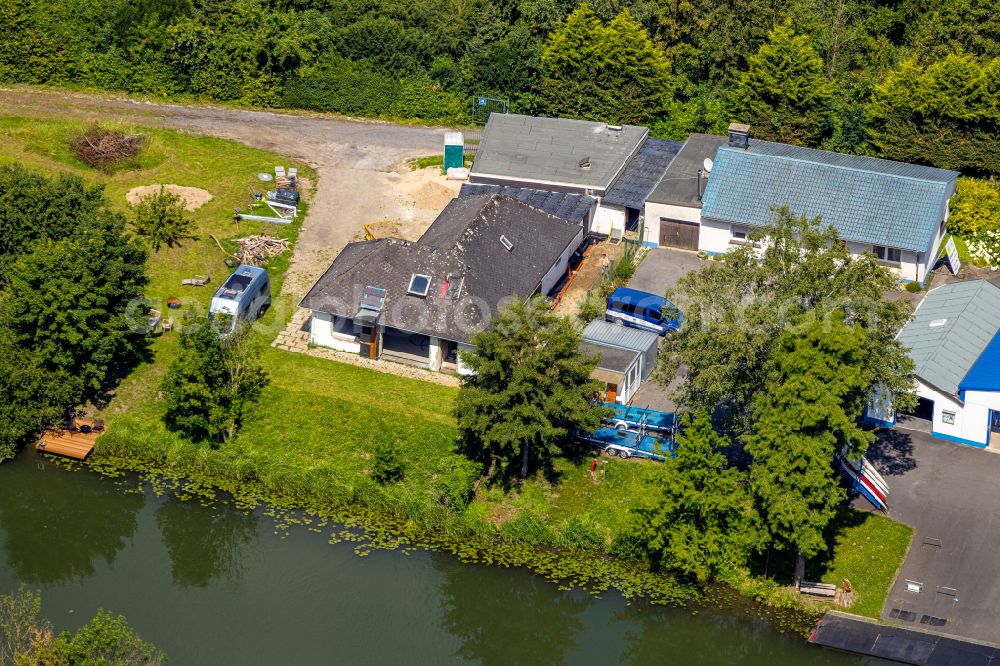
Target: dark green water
[{"x": 215, "y": 586}]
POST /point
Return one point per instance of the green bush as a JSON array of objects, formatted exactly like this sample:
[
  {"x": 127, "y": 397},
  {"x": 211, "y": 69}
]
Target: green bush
[
  {"x": 160, "y": 218},
  {"x": 592, "y": 307},
  {"x": 628, "y": 546},
  {"x": 912, "y": 287},
  {"x": 975, "y": 208},
  {"x": 624, "y": 268},
  {"x": 456, "y": 480},
  {"x": 388, "y": 465}
]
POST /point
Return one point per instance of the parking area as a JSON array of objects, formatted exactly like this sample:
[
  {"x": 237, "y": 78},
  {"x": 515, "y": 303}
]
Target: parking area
[
  {"x": 950, "y": 495},
  {"x": 662, "y": 268}
]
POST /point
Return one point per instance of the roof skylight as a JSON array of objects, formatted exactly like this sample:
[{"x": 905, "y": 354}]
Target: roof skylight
[
  {"x": 419, "y": 285},
  {"x": 506, "y": 243}
]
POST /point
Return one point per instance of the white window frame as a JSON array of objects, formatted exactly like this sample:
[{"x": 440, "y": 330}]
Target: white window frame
[
  {"x": 884, "y": 254},
  {"x": 948, "y": 417},
  {"x": 735, "y": 229}
]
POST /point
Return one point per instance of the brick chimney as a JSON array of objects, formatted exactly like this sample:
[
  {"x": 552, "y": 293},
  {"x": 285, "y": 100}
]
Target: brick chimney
[{"x": 739, "y": 136}]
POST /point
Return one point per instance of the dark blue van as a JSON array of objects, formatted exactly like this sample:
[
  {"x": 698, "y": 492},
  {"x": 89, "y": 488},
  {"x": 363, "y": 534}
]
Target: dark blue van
[{"x": 640, "y": 309}]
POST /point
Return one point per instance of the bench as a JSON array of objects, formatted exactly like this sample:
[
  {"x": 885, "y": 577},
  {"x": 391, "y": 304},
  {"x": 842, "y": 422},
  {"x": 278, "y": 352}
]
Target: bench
[{"x": 818, "y": 589}]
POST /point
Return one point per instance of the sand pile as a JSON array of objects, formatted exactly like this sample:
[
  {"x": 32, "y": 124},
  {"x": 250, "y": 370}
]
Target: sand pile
[{"x": 194, "y": 197}]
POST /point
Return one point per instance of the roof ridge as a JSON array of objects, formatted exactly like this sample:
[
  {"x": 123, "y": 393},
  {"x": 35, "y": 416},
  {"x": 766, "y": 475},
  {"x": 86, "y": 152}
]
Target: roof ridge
[{"x": 839, "y": 166}]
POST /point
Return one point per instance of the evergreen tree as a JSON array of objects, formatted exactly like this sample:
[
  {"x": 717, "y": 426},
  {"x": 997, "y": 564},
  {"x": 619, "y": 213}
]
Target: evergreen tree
[
  {"x": 784, "y": 93},
  {"x": 569, "y": 64},
  {"x": 613, "y": 73},
  {"x": 946, "y": 114},
  {"x": 808, "y": 412},
  {"x": 701, "y": 520},
  {"x": 530, "y": 389}
]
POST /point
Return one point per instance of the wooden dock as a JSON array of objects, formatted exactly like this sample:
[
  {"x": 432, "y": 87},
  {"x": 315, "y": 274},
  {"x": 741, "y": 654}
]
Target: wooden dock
[{"x": 69, "y": 443}]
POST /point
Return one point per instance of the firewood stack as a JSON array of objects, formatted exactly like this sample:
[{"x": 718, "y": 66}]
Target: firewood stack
[{"x": 256, "y": 250}]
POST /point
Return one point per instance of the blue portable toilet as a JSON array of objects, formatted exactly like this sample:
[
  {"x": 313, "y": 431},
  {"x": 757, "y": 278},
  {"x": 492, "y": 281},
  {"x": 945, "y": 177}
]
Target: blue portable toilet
[{"x": 454, "y": 150}]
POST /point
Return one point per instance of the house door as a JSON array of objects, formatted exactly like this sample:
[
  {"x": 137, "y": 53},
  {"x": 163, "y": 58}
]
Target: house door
[
  {"x": 679, "y": 234},
  {"x": 994, "y": 426}
]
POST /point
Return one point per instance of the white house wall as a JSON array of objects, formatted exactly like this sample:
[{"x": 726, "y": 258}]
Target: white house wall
[
  {"x": 559, "y": 268},
  {"x": 607, "y": 218},
  {"x": 988, "y": 399},
  {"x": 462, "y": 368},
  {"x": 653, "y": 213},
  {"x": 971, "y": 420},
  {"x": 714, "y": 237},
  {"x": 321, "y": 333}
]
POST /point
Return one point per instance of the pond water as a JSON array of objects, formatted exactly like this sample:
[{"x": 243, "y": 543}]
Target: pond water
[{"x": 213, "y": 585}]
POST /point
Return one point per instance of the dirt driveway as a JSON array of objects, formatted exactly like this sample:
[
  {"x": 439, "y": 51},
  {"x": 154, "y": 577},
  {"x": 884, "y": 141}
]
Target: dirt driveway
[{"x": 361, "y": 165}]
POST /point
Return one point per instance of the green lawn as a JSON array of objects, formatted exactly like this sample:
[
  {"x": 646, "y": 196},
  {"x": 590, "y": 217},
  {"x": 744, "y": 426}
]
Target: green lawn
[
  {"x": 868, "y": 549},
  {"x": 225, "y": 169}
]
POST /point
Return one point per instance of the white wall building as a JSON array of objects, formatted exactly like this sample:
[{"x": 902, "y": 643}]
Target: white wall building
[{"x": 954, "y": 340}]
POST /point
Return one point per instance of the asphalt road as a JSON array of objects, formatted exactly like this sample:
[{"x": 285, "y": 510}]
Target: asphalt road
[
  {"x": 950, "y": 494},
  {"x": 662, "y": 268}
]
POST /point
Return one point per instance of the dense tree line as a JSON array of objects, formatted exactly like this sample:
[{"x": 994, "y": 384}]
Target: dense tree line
[
  {"x": 71, "y": 299},
  {"x": 909, "y": 80}
]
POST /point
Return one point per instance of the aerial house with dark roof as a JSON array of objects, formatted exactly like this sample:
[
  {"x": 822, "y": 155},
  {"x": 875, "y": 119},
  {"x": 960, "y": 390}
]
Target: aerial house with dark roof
[
  {"x": 421, "y": 302},
  {"x": 613, "y": 167}
]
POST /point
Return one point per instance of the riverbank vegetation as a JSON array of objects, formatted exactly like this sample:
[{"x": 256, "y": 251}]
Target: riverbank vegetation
[
  {"x": 27, "y": 638},
  {"x": 354, "y": 442},
  {"x": 910, "y": 81}
]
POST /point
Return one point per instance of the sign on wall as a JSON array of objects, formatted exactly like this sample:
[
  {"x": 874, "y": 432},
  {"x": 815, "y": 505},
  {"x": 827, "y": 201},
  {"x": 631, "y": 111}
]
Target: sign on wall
[{"x": 953, "y": 262}]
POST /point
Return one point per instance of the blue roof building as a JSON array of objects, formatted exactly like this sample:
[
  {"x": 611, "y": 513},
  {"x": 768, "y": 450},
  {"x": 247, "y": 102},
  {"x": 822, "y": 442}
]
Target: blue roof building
[
  {"x": 893, "y": 209},
  {"x": 954, "y": 341}
]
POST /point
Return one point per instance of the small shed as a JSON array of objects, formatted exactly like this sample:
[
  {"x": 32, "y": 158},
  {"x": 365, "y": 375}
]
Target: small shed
[
  {"x": 607, "y": 334},
  {"x": 618, "y": 370}
]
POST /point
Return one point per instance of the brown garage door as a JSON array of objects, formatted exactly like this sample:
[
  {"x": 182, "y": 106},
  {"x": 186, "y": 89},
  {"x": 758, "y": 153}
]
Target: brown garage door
[{"x": 678, "y": 233}]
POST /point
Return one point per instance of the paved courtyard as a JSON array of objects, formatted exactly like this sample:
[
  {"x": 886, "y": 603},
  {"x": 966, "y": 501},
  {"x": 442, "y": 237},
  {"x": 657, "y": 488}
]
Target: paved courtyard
[
  {"x": 662, "y": 268},
  {"x": 950, "y": 495}
]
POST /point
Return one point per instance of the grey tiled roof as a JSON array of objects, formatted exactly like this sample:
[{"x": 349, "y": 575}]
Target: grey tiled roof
[
  {"x": 866, "y": 199},
  {"x": 679, "y": 184},
  {"x": 549, "y": 150},
  {"x": 572, "y": 207},
  {"x": 642, "y": 174},
  {"x": 944, "y": 353},
  {"x": 462, "y": 244}
]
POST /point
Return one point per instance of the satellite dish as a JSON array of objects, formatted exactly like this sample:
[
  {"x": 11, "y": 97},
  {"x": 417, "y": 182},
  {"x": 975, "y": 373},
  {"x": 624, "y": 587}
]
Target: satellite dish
[{"x": 707, "y": 164}]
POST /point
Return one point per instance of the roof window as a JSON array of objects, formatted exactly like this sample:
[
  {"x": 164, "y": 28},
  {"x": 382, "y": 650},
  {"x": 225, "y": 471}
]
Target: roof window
[
  {"x": 938, "y": 322},
  {"x": 585, "y": 163},
  {"x": 419, "y": 285},
  {"x": 507, "y": 245}
]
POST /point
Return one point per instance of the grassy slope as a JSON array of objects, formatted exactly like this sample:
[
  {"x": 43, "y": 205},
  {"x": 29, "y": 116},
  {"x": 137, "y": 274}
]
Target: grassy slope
[{"x": 313, "y": 428}]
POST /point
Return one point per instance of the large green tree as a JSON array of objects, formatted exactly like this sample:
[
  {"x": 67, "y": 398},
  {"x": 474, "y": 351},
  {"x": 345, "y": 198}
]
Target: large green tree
[
  {"x": 737, "y": 309},
  {"x": 34, "y": 397},
  {"x": 944, "y": 113},
  {"x": 530, "y": 388},
  {"x": 784, "y": 93},
  {"x": 612, "y": 72},
  {"x": 700, "y": 519},
  {"x": 808, "y": 412},
  {"x": 212, "y": 381},
  {"x": 76, "y": 302}
]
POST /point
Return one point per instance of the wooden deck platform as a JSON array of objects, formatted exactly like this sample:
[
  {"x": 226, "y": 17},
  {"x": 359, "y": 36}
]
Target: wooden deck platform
[{"x": 69, "y": 443}]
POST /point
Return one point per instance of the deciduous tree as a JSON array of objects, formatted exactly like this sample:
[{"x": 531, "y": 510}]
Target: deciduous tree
[
  {"x": 212, "y": 381},
  {"x": 161, "y": 219},
  {"x": 737, "y": 309},
  {"x": 530, "y": 388}
]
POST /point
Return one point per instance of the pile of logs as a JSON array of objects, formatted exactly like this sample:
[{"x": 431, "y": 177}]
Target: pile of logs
[{"x": 256, "y": 250}]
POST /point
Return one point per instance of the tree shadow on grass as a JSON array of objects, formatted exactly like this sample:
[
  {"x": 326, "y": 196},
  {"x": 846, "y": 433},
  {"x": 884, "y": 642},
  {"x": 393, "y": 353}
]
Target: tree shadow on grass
[
  {"x": 892, "y": 453},
  {"x": 845, "y": 519}
]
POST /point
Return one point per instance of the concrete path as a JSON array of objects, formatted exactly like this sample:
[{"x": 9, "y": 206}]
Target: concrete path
[
  {"x": 950, "y": 494},
  {"x": 359, "y": 162}
]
